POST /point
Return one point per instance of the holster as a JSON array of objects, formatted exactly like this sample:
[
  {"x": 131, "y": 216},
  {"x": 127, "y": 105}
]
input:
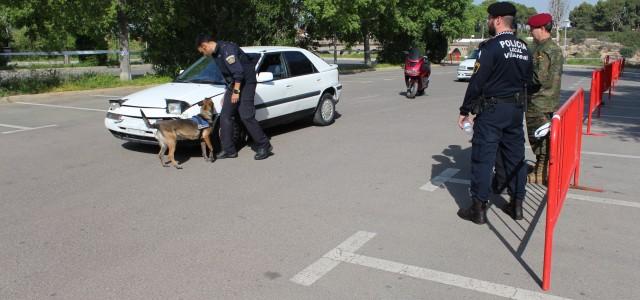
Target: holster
[{"x": 477, "y": 106}]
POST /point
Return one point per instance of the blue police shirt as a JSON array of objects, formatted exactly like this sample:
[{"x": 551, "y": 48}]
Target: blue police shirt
[
  {"x": 503, "y": 67},
  {"x": 234, "y": 64}
]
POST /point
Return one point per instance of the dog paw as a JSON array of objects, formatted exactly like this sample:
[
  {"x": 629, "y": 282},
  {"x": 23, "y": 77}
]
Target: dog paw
[{"x": 179, "y": 167}]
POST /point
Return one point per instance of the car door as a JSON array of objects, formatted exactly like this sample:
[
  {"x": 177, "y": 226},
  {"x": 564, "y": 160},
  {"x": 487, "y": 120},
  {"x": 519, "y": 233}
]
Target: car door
[
  {"x": 304, "y": 82},
  {"x": 270, "y": 95}
]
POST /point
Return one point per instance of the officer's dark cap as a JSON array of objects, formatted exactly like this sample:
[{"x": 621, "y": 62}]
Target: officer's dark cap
[
  {"x": 203, "y": 38},
  {"x": 499, "y": 9}
]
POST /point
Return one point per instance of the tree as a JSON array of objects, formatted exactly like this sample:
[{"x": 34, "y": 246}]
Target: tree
[
  {"x": 425, "y": 24},
  {"x": 523, "y": 13},
  {"x": 170, "y": 27},
  {"x": 349, "y": 21},
  {"x": 5, "y": 33},
  {"x": 49, "y": 24},
  {"x": 581, "y": 16},
  {"x": 558, "y": 10}
]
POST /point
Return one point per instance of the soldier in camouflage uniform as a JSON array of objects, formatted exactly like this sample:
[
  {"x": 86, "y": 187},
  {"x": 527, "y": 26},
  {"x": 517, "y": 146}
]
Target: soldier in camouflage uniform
[{"x": 545, "y": 91}]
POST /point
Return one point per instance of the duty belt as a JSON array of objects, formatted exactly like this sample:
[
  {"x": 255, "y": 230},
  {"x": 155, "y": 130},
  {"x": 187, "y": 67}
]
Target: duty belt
[{"x": 515, "y": 99}]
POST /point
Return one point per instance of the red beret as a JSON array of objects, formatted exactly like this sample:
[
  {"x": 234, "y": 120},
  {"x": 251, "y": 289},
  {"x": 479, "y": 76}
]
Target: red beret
[{"x": 539, "y": 20}]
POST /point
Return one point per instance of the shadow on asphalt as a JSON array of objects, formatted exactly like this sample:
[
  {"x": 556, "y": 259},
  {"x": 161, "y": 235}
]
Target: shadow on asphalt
[
  {"x": 293, "y": 126},
  {"x": 453, "y": 157},
  {"x": 532, "y": 209},
  {"x": 504, "y": 228},
  {"x": 184, "y": 152},
  {"x": 623, "y": 129}
]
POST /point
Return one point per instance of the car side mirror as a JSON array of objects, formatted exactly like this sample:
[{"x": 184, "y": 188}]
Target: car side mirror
[
  {"x": 180, "y": 72},
  {"x": 265, "y": 77}
]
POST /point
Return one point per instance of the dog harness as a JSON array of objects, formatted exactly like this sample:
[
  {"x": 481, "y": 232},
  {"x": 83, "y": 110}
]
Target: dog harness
[{"x": 202, "y": 123}]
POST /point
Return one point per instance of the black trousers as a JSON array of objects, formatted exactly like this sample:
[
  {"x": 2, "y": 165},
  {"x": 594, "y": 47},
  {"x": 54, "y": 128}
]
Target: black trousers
[
  {"x": 498, "y": 129},
  {"x": 245, "y": 107}
]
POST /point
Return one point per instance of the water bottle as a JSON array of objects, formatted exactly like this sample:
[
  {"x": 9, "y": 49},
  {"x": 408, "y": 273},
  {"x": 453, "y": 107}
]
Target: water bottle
[{"x": 467, "y": 128}]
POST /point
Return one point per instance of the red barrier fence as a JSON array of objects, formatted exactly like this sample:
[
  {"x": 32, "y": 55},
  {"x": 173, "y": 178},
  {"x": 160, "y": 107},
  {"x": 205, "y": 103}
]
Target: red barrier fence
[
  {"x": 595, "y": 97},
  {"x": 603, "y": 79},
  {"x": 564, "y": 164},
  {"x": 565, "y": 150}
]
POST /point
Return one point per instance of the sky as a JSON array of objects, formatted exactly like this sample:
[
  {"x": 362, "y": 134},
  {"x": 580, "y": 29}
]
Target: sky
[{"x": 543, "y": 5}]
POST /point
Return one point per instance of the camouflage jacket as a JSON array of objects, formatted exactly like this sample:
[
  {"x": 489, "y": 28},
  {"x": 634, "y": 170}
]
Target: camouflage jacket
[{"x": 547, "y": 71}]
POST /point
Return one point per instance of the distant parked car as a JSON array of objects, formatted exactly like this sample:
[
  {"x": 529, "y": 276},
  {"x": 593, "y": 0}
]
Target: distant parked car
[
  {"x": 293, "y": 83},
  {"x": 465, "y": 69}
]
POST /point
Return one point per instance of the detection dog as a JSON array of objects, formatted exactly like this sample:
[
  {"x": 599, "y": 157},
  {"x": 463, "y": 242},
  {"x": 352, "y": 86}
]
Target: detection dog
[{"x": 170, "y": 131}]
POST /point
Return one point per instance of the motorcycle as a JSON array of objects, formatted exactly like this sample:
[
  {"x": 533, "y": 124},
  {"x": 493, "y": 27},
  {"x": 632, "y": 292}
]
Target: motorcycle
[{"x": 417, "y": 70}]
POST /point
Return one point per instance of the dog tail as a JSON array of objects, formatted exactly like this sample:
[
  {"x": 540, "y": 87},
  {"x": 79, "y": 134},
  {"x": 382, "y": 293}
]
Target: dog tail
[{"x": 146, "y": 121}]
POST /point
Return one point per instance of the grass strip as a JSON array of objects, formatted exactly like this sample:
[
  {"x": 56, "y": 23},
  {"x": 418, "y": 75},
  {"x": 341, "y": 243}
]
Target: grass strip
[{"x": 51, "y": 81}]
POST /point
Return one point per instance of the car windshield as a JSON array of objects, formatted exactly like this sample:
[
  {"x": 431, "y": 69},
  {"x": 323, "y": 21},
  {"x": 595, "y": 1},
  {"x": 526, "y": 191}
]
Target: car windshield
[
  {"x": 204, "y": 70},
  {"x": 474, "y": 54}
]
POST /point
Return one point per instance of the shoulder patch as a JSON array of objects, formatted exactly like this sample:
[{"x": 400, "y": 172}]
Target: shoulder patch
[
  {"x": 231, "y": 59},
  {"x": 476, "y": 67}
]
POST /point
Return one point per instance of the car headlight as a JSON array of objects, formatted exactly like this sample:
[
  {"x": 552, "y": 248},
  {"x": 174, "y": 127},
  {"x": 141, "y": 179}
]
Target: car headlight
[
  {"x": 116, "y": 117},
  {"x": 176, "y": 107},
  {"x": 115, "y": 103}
]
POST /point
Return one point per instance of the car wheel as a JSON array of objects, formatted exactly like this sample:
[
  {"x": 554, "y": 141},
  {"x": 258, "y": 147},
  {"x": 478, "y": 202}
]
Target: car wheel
[{"x": 326, "y": 111}]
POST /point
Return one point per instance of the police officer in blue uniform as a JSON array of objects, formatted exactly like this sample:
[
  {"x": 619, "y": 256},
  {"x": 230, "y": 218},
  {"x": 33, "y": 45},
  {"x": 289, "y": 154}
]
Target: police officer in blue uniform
[
  {"x": 496, "y": 95},
  {"x": 239, "y": 73}
]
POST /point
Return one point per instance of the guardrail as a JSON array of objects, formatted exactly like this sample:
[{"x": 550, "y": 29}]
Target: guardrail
[{"x": 66, "y": 54}]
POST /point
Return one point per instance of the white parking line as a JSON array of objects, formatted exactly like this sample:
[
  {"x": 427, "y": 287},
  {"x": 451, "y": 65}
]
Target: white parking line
[
  {"x": 13, "y": 126},
  {"x": 603, "y": 200},
  {"x": 611, "y": 155},
  {"x": 620, "y": 117},
  {"x": 325, "y": 264},
  {"x": 604, "y": 154},
  {"x": 439, "y": 180},
  {"x": 344, "y": 253},
  {"x": 28, "y": 129},
  {"x": 106, "y": 96},
  {"x": 569, "y": 195},
  {"x": 61, "y": 106}
]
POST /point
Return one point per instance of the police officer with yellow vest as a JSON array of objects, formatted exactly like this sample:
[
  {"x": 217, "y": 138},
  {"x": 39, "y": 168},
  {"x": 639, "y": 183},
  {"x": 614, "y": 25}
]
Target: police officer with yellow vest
[{"x": 496, "y": 95}]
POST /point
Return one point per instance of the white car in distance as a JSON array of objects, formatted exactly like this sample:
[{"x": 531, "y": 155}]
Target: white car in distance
[
  {"x": 465, "y": 69},
  {"x": 293, "y": 83}
]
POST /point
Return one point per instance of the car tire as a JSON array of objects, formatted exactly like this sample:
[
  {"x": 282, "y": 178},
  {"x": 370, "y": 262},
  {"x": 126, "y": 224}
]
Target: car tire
[{"x": 326, "y": 111}]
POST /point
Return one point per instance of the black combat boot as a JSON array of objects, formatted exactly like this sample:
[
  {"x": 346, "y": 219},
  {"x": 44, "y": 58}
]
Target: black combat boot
[
  {"x": 514, "y": 209},
  {"x": 477, "y": 213}
]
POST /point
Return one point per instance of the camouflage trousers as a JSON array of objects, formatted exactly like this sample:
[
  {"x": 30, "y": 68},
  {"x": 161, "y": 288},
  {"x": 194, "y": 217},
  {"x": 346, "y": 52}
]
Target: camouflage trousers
[{"x": 540, "y": 147}]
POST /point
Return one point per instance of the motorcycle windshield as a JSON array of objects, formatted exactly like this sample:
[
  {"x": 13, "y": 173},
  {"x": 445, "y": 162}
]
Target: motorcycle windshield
[{"x": 414, "y": 54}]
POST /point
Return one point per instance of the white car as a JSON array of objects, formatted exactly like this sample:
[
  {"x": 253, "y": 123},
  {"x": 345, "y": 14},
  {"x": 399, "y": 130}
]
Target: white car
[
  {"x": 465, "y": 69},
  {"x": 293, "y": 83}
]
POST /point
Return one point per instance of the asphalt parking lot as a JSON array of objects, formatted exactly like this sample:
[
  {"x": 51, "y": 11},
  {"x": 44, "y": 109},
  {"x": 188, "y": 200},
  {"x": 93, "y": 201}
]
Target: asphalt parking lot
[{"x": 348, "y": 211}]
